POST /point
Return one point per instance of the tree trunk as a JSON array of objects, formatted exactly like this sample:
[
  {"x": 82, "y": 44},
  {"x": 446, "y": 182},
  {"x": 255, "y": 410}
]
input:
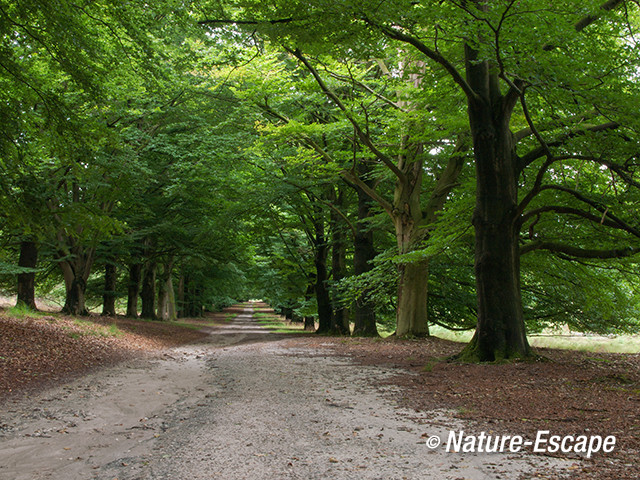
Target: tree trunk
[
  {"x": 74, "y": 303},
  {"x": 181, "y": 311},
  {"x": 109, "y": 296},
  {"x": 172, "y": 312},
  {"x": 135, "y": 272},
  {"x": 323, "y": 298},
  {"x": 27, "y": 281},
  {"x": 309, "y": 321},
  {"x": 340, "y": 317},
  {"x": 166, "y": 296},
  {"x": 500, "y": 332},
  {"x": 148, "y": 293},
  {"x": 76, "y": 272},
  {"x": 411, "y": 315},
  {"x": 363, "y": 255}
]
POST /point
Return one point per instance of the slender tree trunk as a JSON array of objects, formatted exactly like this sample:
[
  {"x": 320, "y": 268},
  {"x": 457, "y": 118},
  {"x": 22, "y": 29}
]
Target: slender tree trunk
[
  {"x": 363, "y": 255},
  {"x": 109, "y": 296},
  {"x": 309, "y": 321},
  {"x": 181, "y": 311},
  {"x": 27, "y": 281},
  {"x": 148, "y": 293},
  {"x": 340, "y": 317},
  {"x": 172, "y": 312},
  {"x": 133, "y": 290},
  {"x": 323, "y": 298},
  {"x": 166, "y": 297},
  {"x": 500, "y": 332}
]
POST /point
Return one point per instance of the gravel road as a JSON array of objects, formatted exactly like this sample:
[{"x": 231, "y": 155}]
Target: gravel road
[{"x": 242, "y": 405}]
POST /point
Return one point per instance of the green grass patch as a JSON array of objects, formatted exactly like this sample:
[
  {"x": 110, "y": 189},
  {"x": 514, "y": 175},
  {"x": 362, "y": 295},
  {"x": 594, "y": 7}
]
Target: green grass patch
[
  {"x": 22, "y": 311},
  {"x": 94, "y": 329},
  {"x": 275, "y": 324},
  {"x": 586, "y": 342}
]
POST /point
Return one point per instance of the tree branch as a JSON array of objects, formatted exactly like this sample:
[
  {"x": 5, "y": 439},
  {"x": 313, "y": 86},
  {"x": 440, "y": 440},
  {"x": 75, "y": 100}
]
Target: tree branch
[
  {"x": 587, "y": 20},
  {"x": 364, "y": 138},
  {"x": 601, "y": 219},
  {"x": 228, "y": 21},
  {"x": 535, "y": 154},
  {"x": 432, "y": 54},
  {"x": 598, "y": 206},
  {"x": 579, "y": 252}
]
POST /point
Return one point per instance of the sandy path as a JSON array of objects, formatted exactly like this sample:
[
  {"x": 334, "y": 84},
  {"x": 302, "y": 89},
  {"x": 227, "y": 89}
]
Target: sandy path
[{"x": 239, "y": 406}]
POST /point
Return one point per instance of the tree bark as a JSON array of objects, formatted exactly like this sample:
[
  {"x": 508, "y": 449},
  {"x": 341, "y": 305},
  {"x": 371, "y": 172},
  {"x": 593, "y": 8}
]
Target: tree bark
[
  {"x": 412, "y": 300},
  {"x": 500, "y": 332},
  {"x": 181, "y": 310},
  {"x": 109, "y": 296},
  {"x": 135, "y": 273},
  {"x": 27, "y": 281},
  {"x": 309, "y": 320},
  {"x": 148, "y": 293},
  {"x": 323, "y": 299},
  {"x": 166, "y": 296},
  {"x": 76, "y": 272},
  {"x": 363, "y": 255},
  {"x": 340, "y": 317},
  {"x": 411, "y": 314}
]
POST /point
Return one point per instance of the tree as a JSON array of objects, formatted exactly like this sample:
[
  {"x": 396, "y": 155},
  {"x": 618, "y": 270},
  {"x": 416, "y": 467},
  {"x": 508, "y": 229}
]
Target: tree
[
  {"x": 498, "y": 67},
  {"x": 364, "y": 88}
]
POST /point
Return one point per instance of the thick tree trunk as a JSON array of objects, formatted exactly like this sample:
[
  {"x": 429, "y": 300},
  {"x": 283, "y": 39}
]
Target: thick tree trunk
[
  {"x": 109, "y": 296},
  {"x": 74, "y": 303},
  {"x": 411, "y": 315},
  {"x": 363, "y": 255},
  {"x": 309, "y": 323},
  {"x": 133, "y": 290},
  {"x": 148, "y": 292},
  {"x": 76, "y": 273},
  {"x": 500, "y": 332},
  {"x": 27, "y": 281}
]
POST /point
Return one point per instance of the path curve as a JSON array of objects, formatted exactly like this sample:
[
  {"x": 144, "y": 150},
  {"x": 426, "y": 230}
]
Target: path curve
[{"x": 241, "y": 405}]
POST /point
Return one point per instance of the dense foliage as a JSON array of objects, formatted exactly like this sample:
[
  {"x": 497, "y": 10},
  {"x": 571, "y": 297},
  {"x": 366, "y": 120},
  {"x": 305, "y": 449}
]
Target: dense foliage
[{"x": 424, "y": 162}]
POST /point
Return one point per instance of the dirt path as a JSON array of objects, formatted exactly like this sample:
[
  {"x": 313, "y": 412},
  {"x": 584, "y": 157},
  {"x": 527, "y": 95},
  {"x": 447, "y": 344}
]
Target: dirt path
[{"x": 241, "y": 405}]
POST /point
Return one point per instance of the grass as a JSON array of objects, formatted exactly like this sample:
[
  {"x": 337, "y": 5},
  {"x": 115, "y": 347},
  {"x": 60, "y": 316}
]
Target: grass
[
  {"x": 582, "y": 342},
  {"x": 276, "y": 325},
  {"x": 22, "y": 311},
  {"x": 96, "y": 330}
]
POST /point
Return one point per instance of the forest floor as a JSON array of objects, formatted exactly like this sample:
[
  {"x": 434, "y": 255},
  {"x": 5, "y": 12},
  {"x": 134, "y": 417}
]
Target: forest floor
[{"x": 123, "y": 399}]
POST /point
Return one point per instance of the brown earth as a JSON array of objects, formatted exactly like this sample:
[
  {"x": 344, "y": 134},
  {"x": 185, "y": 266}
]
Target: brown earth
[
  {"x": 568, "y": 393},
  {"x": 39, "y": 350}
]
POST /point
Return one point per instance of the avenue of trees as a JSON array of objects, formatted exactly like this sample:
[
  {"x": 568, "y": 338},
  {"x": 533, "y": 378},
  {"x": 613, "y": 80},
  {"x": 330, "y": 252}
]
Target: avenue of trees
[{"x": 469, "y": 164}]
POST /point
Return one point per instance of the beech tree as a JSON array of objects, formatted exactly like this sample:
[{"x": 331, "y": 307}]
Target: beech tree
[{"x": 498, "y": 68}]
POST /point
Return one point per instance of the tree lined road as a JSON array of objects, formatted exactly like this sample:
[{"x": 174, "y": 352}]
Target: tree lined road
[{"x": 245, "y": 404}]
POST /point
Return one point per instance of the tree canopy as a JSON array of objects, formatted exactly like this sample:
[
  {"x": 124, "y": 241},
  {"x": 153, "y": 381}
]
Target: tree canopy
[{"x": 393, "y": 165}]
